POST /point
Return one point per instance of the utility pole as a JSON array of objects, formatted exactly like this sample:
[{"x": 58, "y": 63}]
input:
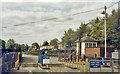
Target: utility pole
[
  {"x": 104, "y": 12},
  {"x": 105, "y": 31}
]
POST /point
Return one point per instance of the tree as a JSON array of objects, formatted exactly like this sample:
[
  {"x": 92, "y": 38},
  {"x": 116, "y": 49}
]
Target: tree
[
  {"x": 45, "y": 43},
  {"x": 54, "y": 42},
  {"x": 26, "y": 47},
  {"x": 95, "y": 29},
  {"x": 68, "y": 39},
  {"x": 98, "y": 33},
  {"x": 17, "y": 46},
  {"x": 36, "y": 45},
  {"x": 10, "y": 44},
  {"x": 83, "y": 30},
  {"x": 2, "y": 44}
]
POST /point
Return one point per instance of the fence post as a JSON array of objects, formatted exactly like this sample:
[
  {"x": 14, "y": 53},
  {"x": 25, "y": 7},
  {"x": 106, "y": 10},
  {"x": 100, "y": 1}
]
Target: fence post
[
  {"x": 112, "y": 62},
  {"x": 82, "y": 66},
  {"x": 89, "y": 66}
]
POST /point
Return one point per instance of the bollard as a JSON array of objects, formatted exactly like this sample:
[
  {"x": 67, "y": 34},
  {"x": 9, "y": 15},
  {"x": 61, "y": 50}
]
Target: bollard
[
  {"x": 86, "y": 64},
  {"x": 61, "y": 61},
  {"x": 72, "y": 64},
  {"x": 79, "y": 64},
  {"x": 69, "y": 63},
  {"x": 82, "y": 66},
  {"x": 65, "y": 62}
]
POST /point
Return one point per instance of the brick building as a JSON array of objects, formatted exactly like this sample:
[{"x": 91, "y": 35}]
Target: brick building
[{"x": 88, "y": 47}]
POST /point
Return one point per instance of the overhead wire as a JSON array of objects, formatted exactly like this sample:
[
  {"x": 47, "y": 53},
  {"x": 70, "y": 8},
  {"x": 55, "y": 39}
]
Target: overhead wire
[{"x": 66, "y": 15}]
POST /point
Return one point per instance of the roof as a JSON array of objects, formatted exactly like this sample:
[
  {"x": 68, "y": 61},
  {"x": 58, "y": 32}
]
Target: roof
[
  {"x": 77, "y": 40},
  {"x": 88, "y": 39}
]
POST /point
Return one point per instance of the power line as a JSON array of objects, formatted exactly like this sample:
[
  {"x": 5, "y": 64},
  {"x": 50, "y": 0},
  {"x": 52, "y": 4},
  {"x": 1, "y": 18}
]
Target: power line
[{"x": 66, "y": 15}]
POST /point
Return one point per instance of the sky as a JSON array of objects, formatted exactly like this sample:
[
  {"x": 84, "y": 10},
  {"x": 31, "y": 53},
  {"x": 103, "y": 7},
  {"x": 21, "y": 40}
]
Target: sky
[{"x": 15, "y": 13}]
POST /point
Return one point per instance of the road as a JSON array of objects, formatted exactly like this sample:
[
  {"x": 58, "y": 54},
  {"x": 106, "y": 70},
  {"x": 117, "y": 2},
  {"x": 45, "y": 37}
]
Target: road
[{"x": 30, "y": 64}]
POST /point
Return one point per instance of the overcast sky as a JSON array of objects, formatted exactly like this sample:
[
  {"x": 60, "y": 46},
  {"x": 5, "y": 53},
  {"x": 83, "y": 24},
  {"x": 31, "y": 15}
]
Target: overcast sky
[{"x": 15, "y": 14}]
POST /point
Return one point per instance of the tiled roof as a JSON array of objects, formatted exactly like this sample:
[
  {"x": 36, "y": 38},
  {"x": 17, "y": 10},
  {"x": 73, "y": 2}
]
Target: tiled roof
[{"x": 88, "y": 39}]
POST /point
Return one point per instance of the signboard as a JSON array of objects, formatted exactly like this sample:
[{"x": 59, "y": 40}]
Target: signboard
[
  {"x": 76, "y": 54},
  {"x": 95, "y": 64},
  {"x": 46, "y": 61},
  {"x": 103, "y": 60}
]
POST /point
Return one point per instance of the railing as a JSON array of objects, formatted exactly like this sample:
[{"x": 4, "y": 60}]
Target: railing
[{"x": 109, "y": 63}]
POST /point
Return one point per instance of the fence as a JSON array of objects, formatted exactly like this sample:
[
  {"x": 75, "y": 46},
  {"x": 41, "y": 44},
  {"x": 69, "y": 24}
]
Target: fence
[
  {"x": 93, "y": 65},
  {"x": 108, "y": 65},
  {"x": 67, "y": 54},
  {"x": 9, "y": 59}
]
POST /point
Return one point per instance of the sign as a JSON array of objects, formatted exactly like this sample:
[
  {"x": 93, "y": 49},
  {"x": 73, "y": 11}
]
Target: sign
[
  {"x": 95, "y": 64},
  {"x": 76, "y": 54},
  {"x": 104, "y": 60},
  {"x": 46, "y": 61}
]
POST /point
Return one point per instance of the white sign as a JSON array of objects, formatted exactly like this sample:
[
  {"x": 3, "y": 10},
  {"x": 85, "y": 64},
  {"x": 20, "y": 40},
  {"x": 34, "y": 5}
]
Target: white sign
[{"x": 46, "y": 61}]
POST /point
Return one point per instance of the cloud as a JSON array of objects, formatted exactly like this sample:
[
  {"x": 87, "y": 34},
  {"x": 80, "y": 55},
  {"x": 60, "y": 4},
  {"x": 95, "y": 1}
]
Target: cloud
[
  {"x": 54, "y": 1},
  {"x": 18, "y": 19}
]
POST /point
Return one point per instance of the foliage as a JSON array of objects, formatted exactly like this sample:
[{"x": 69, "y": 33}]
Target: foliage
[
  {"x": 10, "y": 44},
  {"x": 2, "y": 44},
  {"x": 68, "y": 38},
  {"x": 35, "y": 45},
  {"x": 45, "y": 43},
  {"x": 95, "y": 29},
  {"x": 54, "y": 42}
]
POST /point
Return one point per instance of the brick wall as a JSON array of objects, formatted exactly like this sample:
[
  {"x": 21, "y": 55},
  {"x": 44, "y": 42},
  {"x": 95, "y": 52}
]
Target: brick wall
[{"x": 90, "y": 52}]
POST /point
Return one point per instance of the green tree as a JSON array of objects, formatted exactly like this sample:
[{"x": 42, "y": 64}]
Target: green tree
[
  {"x": 45, "y": 43},
  {"x": 26, "y": 47},
  {"x": 54, "y": 42},
  {"x": 98, "y": 33},
  {"x": 17, "y": 46},
  {"x": 68, "y": 39},
  {"x": 10, "y": 44},
  {"x": 2, "y": 44},
  {"x": 83, "y": 30},
  {"x": 36, "y": 45}
]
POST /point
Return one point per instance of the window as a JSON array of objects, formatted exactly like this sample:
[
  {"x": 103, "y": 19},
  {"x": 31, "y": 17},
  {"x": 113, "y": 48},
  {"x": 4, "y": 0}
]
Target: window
[
  {"x": 94, "y": 44},
  {"x": 86, "y": 44},
  {"x": 90, "y": 44}
]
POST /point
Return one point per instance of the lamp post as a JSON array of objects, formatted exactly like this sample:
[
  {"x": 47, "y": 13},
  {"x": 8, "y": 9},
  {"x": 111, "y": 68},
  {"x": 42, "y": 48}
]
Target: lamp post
[{"x": 104, "y": 12}]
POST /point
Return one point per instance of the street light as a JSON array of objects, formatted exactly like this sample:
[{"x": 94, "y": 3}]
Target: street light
[{"x": 104, "y": 12}]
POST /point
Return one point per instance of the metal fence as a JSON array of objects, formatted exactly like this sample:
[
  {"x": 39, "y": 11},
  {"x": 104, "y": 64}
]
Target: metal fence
[
  {"x": 8, "y": 59},
  {"x": 108, "y": 66}
]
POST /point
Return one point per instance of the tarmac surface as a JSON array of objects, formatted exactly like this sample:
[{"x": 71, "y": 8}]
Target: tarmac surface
[{"x": 30, "y": 64}]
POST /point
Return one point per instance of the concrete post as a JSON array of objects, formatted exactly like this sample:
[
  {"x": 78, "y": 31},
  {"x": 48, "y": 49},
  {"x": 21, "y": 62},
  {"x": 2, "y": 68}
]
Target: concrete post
[{"x": 86, "y": 64}]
